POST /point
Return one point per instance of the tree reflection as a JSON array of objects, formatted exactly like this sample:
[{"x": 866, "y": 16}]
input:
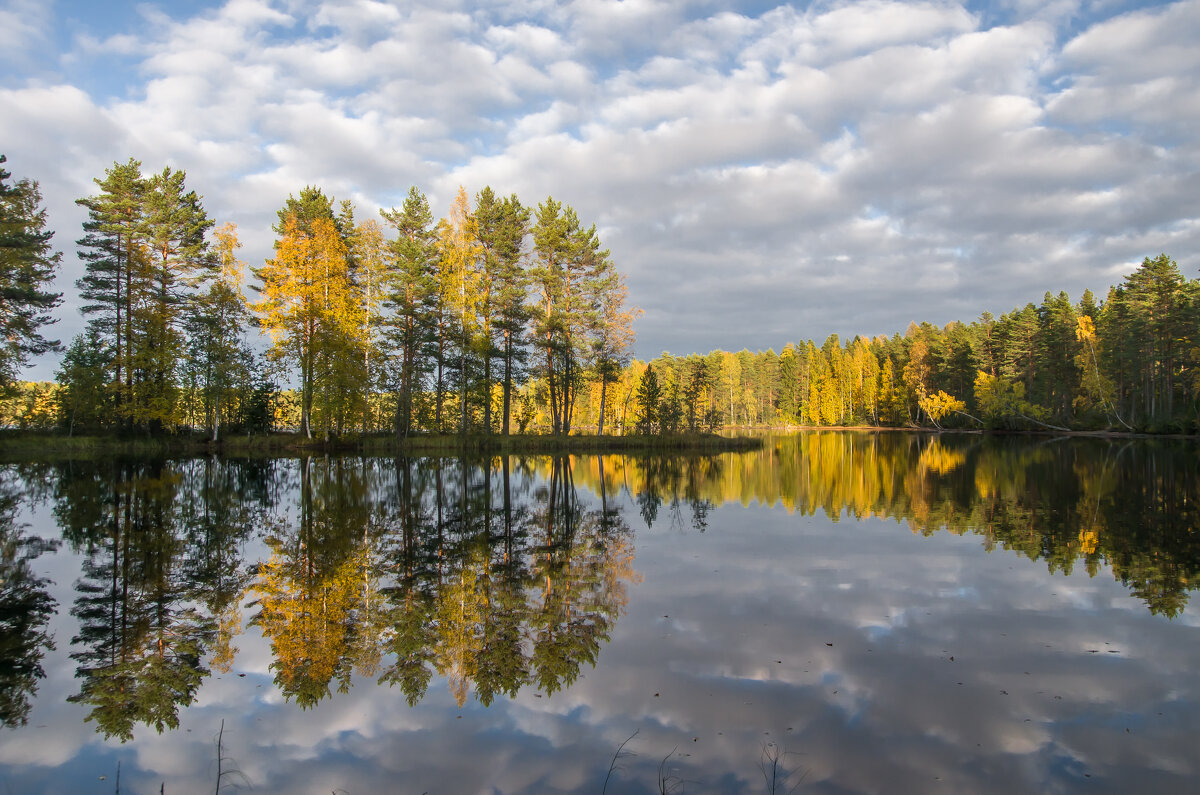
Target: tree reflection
[
  {"x": 520, "y": 584},
  {"x": 25, "y": 608},
  {"x": 157, "y": 578},
  {"x": 457, "y": 568},
  {"x": 506, "y": 573},
  {"x": 317, "y": 594},
  {"x": 1090, "y": 502}
]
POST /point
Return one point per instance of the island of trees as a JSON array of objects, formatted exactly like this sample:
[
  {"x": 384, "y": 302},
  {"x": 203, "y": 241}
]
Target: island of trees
[{"x": 503, "y": 318}]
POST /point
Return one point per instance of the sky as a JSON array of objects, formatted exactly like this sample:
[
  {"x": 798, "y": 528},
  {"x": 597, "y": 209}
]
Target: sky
[{"x": 761, "y": 173}]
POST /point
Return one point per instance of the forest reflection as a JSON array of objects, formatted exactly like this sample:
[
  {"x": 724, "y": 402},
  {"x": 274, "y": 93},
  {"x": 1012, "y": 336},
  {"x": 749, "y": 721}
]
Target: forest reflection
[
  {"x": 503, "y": 573},
  {"x": 1132, "y": 505},
  {"x": 491, "y": 574}
]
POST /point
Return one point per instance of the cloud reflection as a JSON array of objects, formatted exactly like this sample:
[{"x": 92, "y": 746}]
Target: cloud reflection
[{"x": 874, "y": 655}]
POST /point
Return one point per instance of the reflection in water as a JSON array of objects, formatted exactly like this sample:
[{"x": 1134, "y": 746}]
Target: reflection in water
[
  {"x": 25, "y": 607},
  {"x": 1132, "y": 505},
  {"x": 159, "y": 585},
  {"x": 405, "y": 568},
  {"x": 507, "y": 573}
]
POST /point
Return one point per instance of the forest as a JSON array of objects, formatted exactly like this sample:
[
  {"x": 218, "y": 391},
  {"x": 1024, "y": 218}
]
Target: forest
[{"x": 506, "y": 318}]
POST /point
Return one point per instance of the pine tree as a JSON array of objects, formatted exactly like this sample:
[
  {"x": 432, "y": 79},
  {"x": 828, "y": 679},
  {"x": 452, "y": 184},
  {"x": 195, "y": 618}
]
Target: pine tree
[
  {"x": 501, "y": 226},
  {"x": 113, "y": 239},
  {"x": 410, "y": 294},
  {"x": 146, "y": 257},
  {"x": 551, "y": 240},
  {"x": 27, "y": 267},
  {"x": 649, "y": 398},
  {"x": 511, "y": 281}
]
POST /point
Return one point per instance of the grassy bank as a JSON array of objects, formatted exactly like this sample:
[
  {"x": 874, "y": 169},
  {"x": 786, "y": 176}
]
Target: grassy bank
[{"x": 33, "y": 445}]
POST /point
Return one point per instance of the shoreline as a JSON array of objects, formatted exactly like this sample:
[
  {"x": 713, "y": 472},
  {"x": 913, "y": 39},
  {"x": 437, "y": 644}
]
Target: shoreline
[
  {"x": 25, "y": 445},
  {"x": 16, "y": 446}
]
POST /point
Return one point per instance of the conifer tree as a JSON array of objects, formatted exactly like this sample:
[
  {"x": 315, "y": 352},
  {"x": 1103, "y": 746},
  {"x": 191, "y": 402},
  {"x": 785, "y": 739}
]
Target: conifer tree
[
  {"x": 113, "y": 238},
  {"x": 501, "y": 226},
  {"x": 409, "y": 297},
  {"x": 649, "y": 398},
  {"x": 146, "y": 256},
  {"x": 27, "y": 268}
]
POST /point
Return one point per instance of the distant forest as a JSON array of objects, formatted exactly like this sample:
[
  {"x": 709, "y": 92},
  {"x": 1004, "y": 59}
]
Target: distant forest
[{"x": 502, "y": 317}]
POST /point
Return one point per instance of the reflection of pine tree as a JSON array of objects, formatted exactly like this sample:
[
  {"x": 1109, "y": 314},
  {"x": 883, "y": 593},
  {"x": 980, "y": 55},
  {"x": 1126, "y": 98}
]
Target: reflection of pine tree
[
  {"x": 221, "y": 503},
  {"x": 497, "y": 584},
  {"x": 1132, "y": 506},
  {"x": 574, "y": 612},
  {"x": 503, "y": 663},
  {"x": 25, "y": 607},
  {"x": 411, "y": 605},
  {"x": 503, "y": 666},
  {"x": 140, "y": 644}
]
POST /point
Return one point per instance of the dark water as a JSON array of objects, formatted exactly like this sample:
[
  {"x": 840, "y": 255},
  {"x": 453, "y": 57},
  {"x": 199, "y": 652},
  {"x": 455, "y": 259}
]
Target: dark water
[{"x": 843, "y": 612}]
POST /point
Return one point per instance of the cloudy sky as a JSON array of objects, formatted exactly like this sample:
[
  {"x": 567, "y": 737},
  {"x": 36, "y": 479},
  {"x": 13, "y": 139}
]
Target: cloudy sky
[{"x": 762, "y": 173}]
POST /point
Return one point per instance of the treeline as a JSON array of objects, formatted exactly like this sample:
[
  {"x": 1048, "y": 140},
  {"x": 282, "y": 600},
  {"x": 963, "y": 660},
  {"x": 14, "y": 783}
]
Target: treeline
[
  {"x": 503, "y": 317},
  {"x": 1131, "y": 362},
  {"x": 428, "y": 326}
]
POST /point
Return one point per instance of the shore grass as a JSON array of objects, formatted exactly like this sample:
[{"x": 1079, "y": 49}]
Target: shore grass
[{"x": 42, "y": 445}]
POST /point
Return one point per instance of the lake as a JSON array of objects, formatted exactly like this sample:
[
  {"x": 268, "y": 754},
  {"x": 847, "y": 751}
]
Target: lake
[{"x": 837, "y": 612}]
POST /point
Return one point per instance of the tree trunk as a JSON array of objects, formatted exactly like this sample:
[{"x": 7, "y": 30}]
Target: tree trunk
[
  {"x": 600, "y": 421},
  {"x": 507, "y": 380}
]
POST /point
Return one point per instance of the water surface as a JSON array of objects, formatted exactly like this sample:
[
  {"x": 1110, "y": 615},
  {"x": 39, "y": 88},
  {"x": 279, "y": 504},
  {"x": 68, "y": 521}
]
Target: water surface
[{"x": 846, "y": 612}]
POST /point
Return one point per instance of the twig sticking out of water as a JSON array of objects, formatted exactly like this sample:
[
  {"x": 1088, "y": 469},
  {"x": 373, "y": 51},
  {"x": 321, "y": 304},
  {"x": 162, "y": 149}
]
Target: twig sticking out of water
[
  {"x": 620, "y": 754},
  {"x": 221, "y": 759},
  {"x": 775, "y": 774},
  {"x": 220, "y": 736},
  {"x": 668, "y": 783}
]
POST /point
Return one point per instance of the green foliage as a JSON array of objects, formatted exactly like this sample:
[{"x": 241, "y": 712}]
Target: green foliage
[
  {"x": 1002, "y": 402},
  {"x": 446, "y": 326},
  {"x": 649, "y": 398},
  {"x": 27, "y": 267},
  {"x": 146, "y": 257}
]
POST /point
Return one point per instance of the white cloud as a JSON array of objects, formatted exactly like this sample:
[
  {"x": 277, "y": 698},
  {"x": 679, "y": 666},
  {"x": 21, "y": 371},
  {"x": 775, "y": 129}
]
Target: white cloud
[
  {"x": 729, "y": 157},
  {"x": 25, "y": 26}
]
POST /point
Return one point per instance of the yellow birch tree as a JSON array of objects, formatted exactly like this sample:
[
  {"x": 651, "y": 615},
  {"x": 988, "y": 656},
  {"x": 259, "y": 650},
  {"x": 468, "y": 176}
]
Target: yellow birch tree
[{"x": 312, "y": 314}]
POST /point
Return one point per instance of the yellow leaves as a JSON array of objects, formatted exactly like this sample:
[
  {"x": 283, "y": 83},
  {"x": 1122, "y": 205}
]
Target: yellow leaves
[
  {"x": 227, "y": 244},
  {"x": 940, "y": 459},
  {"x": 1085, "y": 329},
  {"x": 307, "y": 283},
  {"x": 939, "y": 405},
  {"x": 461, "y": 613},
  {"x": 460, "y": 257},
  {"x": 312, "y": 312},
  {"x": 229, "y": 626},
  {"x": 307, "y": 619}
]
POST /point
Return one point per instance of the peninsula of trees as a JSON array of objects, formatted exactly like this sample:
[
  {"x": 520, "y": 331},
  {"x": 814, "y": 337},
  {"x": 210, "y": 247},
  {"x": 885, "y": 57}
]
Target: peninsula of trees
[
  {"x": 502, "y": 318},
  {"x": 421, "y": 325}
]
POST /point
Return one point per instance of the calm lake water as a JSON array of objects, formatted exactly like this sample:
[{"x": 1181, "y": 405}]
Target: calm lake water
[{"x": 846, "y": 612}]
